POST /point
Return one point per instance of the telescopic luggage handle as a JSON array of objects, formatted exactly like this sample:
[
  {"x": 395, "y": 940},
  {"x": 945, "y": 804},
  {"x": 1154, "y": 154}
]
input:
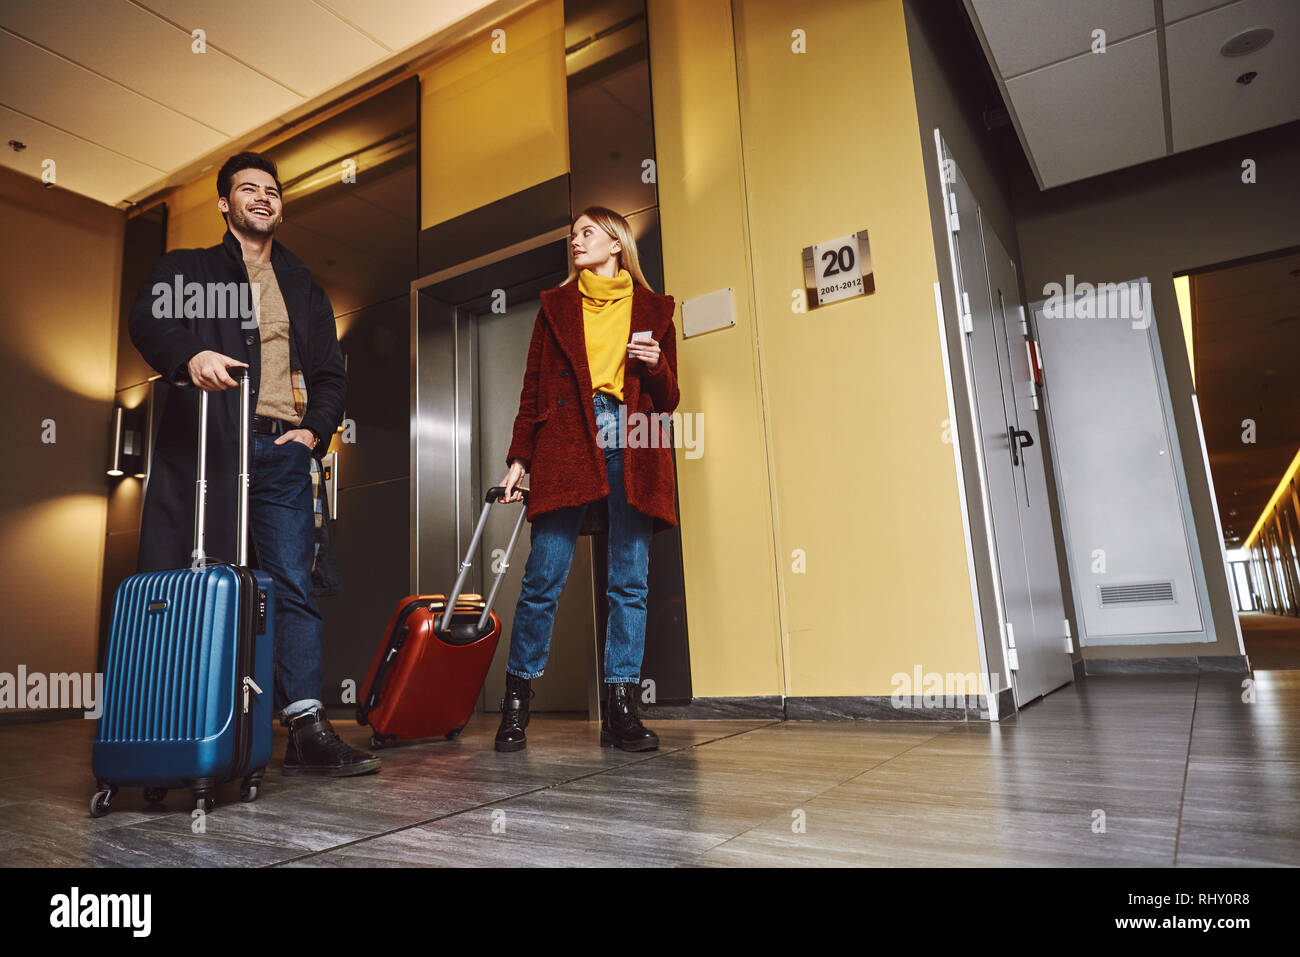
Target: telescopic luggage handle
[
  {"x": 494, "y": 493},
  {"x": 201, "y": 481}
]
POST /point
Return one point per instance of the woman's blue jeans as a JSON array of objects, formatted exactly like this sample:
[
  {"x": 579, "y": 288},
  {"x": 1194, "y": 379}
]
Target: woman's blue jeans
[{"x": 554, "y": 537}]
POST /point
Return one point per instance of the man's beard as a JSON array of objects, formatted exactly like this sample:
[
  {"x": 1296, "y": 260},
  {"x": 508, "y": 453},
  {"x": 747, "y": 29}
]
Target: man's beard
[{"x": 248, "y": 223}]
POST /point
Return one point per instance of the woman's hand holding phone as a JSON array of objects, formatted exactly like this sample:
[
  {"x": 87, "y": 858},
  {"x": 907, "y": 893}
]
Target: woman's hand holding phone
[{"x": 645, "y": 348}]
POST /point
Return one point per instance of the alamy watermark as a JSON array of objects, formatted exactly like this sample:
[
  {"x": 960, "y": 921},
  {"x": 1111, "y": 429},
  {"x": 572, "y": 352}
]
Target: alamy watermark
[
  {"x": 1104, "y": 300},
  {"x": 75, "y": 909},
  {"x": 207, "y": 300},
  {"x": 934, "y": 689},
  {"x": 34, "y": 690},
  {"x": 652, "y": 430}
]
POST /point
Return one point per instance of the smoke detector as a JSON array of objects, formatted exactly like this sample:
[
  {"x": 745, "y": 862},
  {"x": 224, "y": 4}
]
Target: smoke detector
[{"x": 1247, "y": 41}]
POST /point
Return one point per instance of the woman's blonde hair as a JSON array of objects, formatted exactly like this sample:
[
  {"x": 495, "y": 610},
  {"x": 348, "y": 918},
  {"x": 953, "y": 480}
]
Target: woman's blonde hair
[{"x": 616, "y": 227}]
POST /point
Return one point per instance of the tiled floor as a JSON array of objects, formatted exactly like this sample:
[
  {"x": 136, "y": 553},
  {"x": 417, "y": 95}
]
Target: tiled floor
[
  {"x": 1120, "y": 770},
  {"x": 1272, "y": 641}
]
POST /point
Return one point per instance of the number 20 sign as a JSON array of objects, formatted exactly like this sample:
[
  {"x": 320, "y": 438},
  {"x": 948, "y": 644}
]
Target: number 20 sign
[{"x": 838, "y": 269}]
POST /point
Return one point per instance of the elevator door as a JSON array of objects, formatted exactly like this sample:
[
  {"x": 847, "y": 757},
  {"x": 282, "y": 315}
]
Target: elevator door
[
  {"x": 468, "y": 368},
  {"x": 502, "y": 354}
]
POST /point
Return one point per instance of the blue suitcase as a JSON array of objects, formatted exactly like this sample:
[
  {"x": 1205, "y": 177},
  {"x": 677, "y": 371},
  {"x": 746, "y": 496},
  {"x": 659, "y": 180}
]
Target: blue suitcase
[{"x": 188, "y": 667}]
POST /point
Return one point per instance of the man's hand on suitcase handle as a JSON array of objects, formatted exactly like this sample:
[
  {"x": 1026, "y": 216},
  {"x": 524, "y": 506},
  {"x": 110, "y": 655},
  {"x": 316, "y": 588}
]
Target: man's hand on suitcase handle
[
  {"x": 512, "y": 479},
  {"x": 208, "y": 371}
]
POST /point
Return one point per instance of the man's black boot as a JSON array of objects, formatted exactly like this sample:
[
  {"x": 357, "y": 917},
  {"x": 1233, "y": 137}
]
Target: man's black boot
[
  {"x": 315, "y": 748},
  {"x": 621, "y": 727},
  {"x": 514, "y": 714}
]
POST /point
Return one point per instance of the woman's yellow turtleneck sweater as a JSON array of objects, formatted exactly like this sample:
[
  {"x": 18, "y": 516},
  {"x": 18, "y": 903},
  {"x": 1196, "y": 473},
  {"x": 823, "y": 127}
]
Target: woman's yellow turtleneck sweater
[{"x": 607, "y": 324}]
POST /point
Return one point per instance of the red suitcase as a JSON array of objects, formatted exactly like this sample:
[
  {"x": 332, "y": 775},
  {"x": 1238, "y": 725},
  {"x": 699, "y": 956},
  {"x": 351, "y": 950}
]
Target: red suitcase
[{"x": 425, "y": 678}]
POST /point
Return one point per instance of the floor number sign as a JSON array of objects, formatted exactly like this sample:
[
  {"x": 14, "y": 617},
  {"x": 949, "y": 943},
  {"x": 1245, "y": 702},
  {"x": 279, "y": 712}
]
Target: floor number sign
[{"x": 838, "y": 269}]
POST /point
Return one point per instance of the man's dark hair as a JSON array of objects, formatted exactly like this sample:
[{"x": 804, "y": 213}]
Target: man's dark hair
[{"x": 238, "y": 163}]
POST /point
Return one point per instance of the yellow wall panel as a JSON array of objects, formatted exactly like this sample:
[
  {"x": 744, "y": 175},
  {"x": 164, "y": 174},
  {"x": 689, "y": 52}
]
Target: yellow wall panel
[
  {"x": 193, "y": 220},
  {"x": 865, "y": 484},
  {"x": 847, "y": 426},
  {"x": 725, "y": 503},
  {"x": 61, "y": 274},
  {"x": 494, "y": 123}
]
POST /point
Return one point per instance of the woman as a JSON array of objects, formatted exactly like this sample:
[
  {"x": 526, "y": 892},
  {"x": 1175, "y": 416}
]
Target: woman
[{"x": 602, "y": 367}]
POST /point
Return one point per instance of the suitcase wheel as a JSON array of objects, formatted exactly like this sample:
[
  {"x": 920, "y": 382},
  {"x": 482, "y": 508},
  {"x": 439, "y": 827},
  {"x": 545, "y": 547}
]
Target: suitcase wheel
[
  {"x": 154, "y": 795},
  {"x": 249, "y": 786},
  {"x": 454, "y": 733},
  {"x": 203, "y": 801},
  {"x": 378, "y": 741},
  {"x": 102, "y": 802}
]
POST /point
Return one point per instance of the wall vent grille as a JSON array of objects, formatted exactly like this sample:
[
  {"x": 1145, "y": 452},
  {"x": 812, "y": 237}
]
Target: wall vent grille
[{"x": 1137, "y": 593}]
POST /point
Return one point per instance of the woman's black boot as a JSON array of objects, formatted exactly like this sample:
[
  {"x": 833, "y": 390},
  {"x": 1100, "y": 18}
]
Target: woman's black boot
[
  {"x": 514, "y": 714},
  {"x": 621, "y": 727}
]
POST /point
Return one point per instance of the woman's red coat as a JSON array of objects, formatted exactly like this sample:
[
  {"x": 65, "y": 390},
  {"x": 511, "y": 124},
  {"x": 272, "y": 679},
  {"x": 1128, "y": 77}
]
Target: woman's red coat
[{"x": 555, "y": 428}]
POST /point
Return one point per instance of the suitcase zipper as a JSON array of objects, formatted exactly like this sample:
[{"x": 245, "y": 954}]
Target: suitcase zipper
[
  {"x": 246, "y": 657},
  {"x": 249, "y": 685}
]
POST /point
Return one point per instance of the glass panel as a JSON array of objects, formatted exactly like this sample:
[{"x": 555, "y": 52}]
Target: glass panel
[
  {"x": 1241, "y": 578},
  {"x": 1281, "y": 549}
]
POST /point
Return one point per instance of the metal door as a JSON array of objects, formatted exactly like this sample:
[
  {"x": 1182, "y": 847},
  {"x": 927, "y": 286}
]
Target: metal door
[
  {"x": 1130, "y": 536},
  {"x": 987, "y": 377},
  {"x": 1043, "y": 653},
  {"x": 1026, "y": 572}
]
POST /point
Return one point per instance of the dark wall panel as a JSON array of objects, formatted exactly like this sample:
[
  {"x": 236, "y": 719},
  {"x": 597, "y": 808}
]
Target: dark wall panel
[
  {"x": 146, "y": 236},
  {"x": 373, "y": 548},
  {"x": 377, "y": 344}
]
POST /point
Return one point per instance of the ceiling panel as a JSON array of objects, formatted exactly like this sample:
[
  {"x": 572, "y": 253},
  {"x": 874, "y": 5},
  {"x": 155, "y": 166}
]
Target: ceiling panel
[
  {"x": 1026, "y": 34},
  {"x": 1178, "y": 9},
  {"x": 1162, "y": 92},
  {"x": 1206, "y": 103},
  {"x": 399, "y": 23},
  {"x": 1093, "y": 113},
  {"x": 81, "y": 166},
  {"x": 119, "y": 78},
  {"x": 297, "y": 42},
  {"x": 71, "y": 98},
  {"x": 107, "y": 37}
]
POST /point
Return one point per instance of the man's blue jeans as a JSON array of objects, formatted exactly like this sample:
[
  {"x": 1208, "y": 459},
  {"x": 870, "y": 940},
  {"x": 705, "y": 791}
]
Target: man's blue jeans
[
  {"x": 283, "y": 529},
  {"x": 554, "y": 537}
]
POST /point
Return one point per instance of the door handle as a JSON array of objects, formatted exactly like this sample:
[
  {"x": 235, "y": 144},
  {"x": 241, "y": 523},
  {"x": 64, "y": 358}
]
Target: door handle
[{"x": 1020, "y": 439}]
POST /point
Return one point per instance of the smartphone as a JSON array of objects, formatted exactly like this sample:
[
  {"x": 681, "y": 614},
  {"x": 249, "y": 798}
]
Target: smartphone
[{"x": 642, "y": 335}]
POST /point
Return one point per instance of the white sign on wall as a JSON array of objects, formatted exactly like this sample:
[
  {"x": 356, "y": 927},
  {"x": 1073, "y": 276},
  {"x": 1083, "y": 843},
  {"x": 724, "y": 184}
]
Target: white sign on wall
[
  {"x": 838, "y": 269},
  {"x": 713, "y": 310}
]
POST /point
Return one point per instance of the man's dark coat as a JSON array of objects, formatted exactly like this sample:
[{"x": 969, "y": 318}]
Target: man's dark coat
[{"x": 167, "y": 344}]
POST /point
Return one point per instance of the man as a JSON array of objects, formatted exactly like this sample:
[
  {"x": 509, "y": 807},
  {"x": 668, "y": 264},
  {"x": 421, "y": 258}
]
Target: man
[{"x": 249, "y": 302}]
